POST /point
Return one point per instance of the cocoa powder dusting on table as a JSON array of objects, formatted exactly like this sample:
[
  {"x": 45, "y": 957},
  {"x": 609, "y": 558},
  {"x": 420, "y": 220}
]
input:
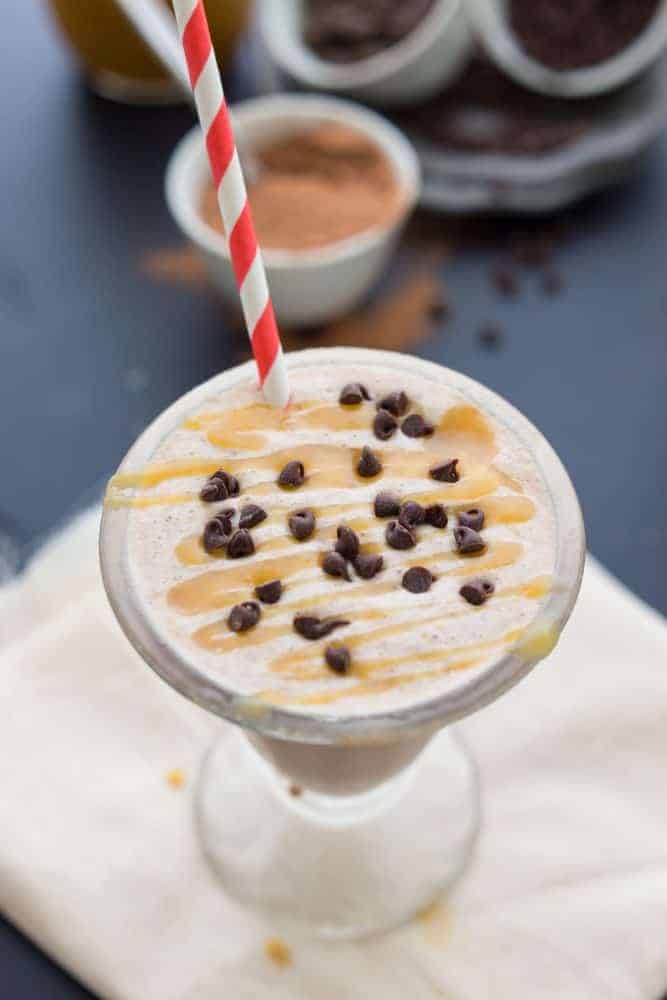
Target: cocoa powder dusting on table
[{"x": 316, "y": 188}]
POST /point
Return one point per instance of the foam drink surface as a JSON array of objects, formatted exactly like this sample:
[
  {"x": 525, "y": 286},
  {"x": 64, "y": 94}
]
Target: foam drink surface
[{"x": 405, "y": 648}]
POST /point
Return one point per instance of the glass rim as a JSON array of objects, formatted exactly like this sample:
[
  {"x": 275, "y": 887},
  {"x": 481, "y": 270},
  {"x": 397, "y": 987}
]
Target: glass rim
[{"x": 372, "y": 727}]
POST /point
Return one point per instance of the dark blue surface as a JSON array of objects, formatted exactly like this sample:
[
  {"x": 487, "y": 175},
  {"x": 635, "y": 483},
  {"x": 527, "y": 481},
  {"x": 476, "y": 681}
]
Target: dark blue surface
[{"x": 90, "y": 349}]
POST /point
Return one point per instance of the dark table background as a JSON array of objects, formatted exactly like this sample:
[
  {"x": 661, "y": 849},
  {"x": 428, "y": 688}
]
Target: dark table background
[{"x": 91, "y": 349}]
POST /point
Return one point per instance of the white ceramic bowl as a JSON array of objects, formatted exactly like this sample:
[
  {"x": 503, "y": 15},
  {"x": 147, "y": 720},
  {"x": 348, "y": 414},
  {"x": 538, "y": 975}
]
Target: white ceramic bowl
[
  {"x": 490, "y": 22},
  {"x": 308, "y": 286},
  {"x": 413, "y": 69}
]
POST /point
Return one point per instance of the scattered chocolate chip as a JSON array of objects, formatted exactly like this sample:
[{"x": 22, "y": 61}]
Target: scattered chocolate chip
[
  {"x": 225, "y": 518},
  {"x": 505, "y": 281},
  {"x": 251, "y": 516},
  {"x": 436, "y": 515},
  {"x": 216, "y": 535},
  {"x": 233, "y": 486},
  {"x": 384, "y": 425},
  {"x": 347, "y": 543},
  {"x": 295, "y": 791},
  {"x": 353, "y": 393},
  {"x": 477, "y": 591},
  {"x": 491, "y": 336},
  {"x": 240, "y": 544},
  {"x": 552, "y": 282},
  {"x": 269, "y": 593},
  {"x": 395, "y": 403},
  {"x": 468, "y": 540},
  {"x": 415, "y": 426},
  {"x": 400, "y": 537},
  {"x": 386, "y": 505},
  {"x": 417, "y": 580},
  {"x": 334, "y": 564},
  {"x": 473, "y": 518},
  {"x": 212, "y": 491},
  {"x": 338, "y": 658},
  {"x": 244, "y": 616},
  {"x": 292, "y": 475},
  {"x": 368, "y": 565},
  {"x": 311, "y": 627},
  {"x": 369, "y": 464},
  {"x": 446, "y": 473},
  {"x": 411, "y": 514},
  {"x": 301, "y": 524}
]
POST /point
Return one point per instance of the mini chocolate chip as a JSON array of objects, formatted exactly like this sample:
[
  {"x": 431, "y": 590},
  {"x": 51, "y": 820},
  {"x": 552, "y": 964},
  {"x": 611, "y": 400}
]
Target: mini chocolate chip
[
  {"x": 215, "y": 536},
  {"x": 230, "y": 482},
  {"x": 347, "y": 542},
  {"x": 386, "y": 505},
  {"x": 240, "y": 544},
  {"x": 400, "y": 537},
  {"x": 415, "y": 426},
  {"x": 251, "y": 515},
  {"x": 244, "y": 616},
  {"x": 417, "y": 580},
  {"x": 477, "y": 591},
  {"x": 311, "y": 627},
  {"x": 473, "y": 518},
  {"x": 384, "y": 425},
  {"x": 233, "y": 486},
  {"x": 369, "y": 464},
  {"x": 213, "y": 490},
  {"x": 367, "y": 566},
  {"x": 292, "y": 475},
  {"x": 301, "y": 524},
  {"x": 436, "y": 515},
  {"x": 338, "y": 658},
  {"x": 395, "y": 402},
  {"x": 446, "y": 473},
  {"x": 411, "y": 514},
  {"x": 269, "y": 593},
  {"x": 353, "y": 393},
  {"x": 468, "y": 540},
  {"x": 334, "y": 564},
  {"x": 225, "y": 518}
]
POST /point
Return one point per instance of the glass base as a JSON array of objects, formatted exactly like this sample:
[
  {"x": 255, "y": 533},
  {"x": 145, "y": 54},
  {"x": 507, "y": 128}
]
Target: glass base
[
  {"x": 338, "y": 866},
  {"x": 130, "y": 90}
]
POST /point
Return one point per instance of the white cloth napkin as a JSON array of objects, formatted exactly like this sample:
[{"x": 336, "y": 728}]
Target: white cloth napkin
[{"x": 566, "y": 896}]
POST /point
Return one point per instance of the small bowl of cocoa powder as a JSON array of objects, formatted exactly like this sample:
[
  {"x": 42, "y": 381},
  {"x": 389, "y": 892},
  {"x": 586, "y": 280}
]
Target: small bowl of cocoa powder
[
  {"x": 571, "y": 49},
  {"x": 330, "y": 186}
]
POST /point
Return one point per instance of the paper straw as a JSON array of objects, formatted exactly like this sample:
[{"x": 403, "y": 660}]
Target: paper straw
[{"x": 232, "y": 199}]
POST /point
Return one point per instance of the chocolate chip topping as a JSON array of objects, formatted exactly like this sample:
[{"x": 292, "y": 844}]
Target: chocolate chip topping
[
  {"x": 240, "y": 544},
  {"x": 417, "y": 580},
  {"x": 347, "y": 543},
  {"x": 292, "y": 475},
  {"x": 369, "y": 464},
  {"x": 477, "y": 591},
  {"x": 473, "y": 518},
  {"x": 395, "y": 402},
  {"x": 251, "y": 515},
  {"x": 269, "y": 593},
  {"x": 468, "y": 540},
  {"x": 415, "y": 426},
  {"x": 301, "y": 524},
  {"x": 446, "y": 473},
  {"x": 436, "y": 515},
  {"x": 400, "y": 537},
  {"x": 334, "y": 564},
  {"x": 368, "y": 565},
  {"x": 219, "y": 486},
  {"x": 384, "y": 425},
  {"x": 386, "y": 505},
  {"x": 353, "y": 393},
  {"x": 411, "y": 514},
  {"x": 225, "y": 518},
  {"x": 311, "y": 627},
  {"x": 244, "y": 616},
  {"x": 217, "y": 533},
  {"x": 338, "y": 659}
]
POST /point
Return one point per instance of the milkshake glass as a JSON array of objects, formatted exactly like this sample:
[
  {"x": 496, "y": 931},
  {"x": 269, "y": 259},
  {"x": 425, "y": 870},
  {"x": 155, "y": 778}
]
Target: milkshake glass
[{"x": 386, "y": 809}]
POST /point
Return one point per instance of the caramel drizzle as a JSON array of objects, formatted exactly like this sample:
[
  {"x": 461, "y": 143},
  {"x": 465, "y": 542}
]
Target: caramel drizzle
[{"x": 462, "y": 431}]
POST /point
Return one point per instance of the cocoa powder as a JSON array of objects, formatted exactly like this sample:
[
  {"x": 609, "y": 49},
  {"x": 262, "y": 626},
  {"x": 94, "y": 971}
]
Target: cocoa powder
[{"x": 316, "y": 188}]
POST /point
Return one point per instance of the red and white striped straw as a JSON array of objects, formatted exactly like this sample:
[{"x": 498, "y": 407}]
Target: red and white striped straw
[{"x": 233, "y": 199}]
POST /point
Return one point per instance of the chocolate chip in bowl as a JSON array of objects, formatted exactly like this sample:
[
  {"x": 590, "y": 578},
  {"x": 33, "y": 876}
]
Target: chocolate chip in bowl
[
  {"x": 436, "y": 515},
  {"x": 334, "y": 564},
  {"x": 446, "y": 473},
  {"x": 386, "y": 504},
  {"x": 353, "y": 394},
  {"x": 338, "y": 658},
  {"x": 411, "y": 514},
  {"x": 292, "y": 475},
  {"x": 396, "y": 403},
  {"x": 468, "y": 541},
  {"x": 384, "y": 425},
  {"x": 251, "y": 515},
  {"x": 369, "y": 465},
  {"x": 240, "y": 544},
  {"x": 244, "y": 616},
  {"x": 301, "y": 524},
  {"x": 472, "y": 518},
  {"x": 368, "y": 565},
  {"x": 417, "y": 580},
  {"x": 347, "y": 542},
  {"x": 400, "y": 537},
  {"x": 269, "y": 593},
  {"x": 313, "y": 628},
  {"x": 415, "y": 426},
  {"x": 477, "y": 592}
]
